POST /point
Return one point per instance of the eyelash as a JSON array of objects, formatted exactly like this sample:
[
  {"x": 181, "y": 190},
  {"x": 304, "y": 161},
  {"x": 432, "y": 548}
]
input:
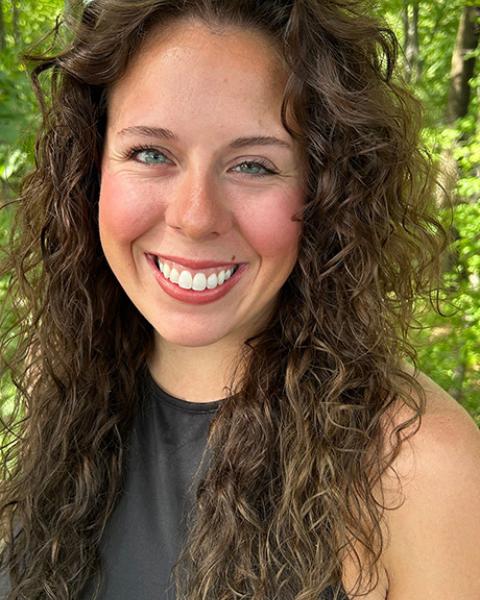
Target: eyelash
[{"x": 131, "y": 153}]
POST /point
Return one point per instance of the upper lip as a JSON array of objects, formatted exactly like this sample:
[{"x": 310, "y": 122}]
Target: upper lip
[{"x": 195, "y": 264}]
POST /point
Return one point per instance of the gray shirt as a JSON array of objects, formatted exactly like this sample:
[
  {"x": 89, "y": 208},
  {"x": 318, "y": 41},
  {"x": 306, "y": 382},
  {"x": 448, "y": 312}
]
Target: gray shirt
[{"x": 144, "y": 534}]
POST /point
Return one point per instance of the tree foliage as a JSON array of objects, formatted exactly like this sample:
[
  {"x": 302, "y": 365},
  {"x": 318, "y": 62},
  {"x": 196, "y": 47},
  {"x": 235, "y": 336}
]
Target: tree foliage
[{"x": 25, "y": 23}]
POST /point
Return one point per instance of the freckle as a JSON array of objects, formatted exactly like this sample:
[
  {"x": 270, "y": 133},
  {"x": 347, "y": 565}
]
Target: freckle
[{"x": 233, "y": 258}]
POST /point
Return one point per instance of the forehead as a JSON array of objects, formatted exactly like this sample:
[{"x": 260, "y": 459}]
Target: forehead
[{"x": 191, "y": 69}]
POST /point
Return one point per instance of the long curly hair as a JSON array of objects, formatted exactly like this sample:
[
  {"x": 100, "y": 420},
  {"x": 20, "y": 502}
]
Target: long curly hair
[{"x": 298, "y": 448}]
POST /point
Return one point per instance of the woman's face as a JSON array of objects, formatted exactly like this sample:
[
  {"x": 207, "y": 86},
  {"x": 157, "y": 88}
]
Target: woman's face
[{"x": 189, "y": 176}]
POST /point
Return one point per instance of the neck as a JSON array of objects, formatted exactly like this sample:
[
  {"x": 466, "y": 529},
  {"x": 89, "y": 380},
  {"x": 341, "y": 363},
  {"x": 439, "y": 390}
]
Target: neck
[{"x": 195, "y": 374}]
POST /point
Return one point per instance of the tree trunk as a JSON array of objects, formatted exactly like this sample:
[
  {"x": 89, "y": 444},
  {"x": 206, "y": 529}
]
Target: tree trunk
[
  {"x": 463, "y": 68},
  {"x": 3, "y": 43},
  {"x": 67, "y": 8},
  {"x": 15, "y": 22},
  {"x": 411, "y": 44},
  {"x": 461, "y": 73}
]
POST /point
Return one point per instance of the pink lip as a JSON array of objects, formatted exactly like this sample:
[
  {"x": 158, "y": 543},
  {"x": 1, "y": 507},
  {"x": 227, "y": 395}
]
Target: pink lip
[
  {"x": 195, "y": 264},
  {"x": 190, "y": 296}
]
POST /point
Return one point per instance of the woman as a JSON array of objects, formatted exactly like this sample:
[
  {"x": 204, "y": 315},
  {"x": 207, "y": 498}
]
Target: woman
[{"x": 219, "y": 247}]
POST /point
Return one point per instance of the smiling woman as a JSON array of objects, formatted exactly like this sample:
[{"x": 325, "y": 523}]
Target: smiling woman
[{"x": 211, "y": 277}]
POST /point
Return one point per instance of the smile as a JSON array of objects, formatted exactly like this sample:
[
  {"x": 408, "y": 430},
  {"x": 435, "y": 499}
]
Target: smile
[
  {"x": 189, "y": 279},
  {"x": 195, "y": 286}
]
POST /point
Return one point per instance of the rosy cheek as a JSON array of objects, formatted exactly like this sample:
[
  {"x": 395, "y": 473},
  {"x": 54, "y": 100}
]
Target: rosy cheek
[
  {"x": 269, "y": 226},
  {"x": 125, "y": 208}
]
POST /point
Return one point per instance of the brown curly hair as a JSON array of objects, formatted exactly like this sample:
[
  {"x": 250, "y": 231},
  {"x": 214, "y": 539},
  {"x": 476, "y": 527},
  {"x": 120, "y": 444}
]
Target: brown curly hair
[{"x": 322, "y": 374}]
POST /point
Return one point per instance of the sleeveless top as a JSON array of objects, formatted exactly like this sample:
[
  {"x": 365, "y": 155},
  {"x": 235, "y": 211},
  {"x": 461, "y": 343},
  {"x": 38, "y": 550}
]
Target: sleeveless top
[{"x": 144, "y": 534}]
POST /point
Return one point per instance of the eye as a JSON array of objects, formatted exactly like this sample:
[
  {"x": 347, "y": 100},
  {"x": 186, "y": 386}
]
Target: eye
[
  {"x": 146, "y": 155},
  {"x": 256, "y": 165}
]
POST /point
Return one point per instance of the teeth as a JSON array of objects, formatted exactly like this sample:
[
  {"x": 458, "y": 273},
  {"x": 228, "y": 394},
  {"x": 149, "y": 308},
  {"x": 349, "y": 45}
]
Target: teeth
[
  {"x": 185, "y": 280},
  {"x": 212, "y": 281},
  {"x": 174, "y": 275},
  {"x": 198, "y": 282}
]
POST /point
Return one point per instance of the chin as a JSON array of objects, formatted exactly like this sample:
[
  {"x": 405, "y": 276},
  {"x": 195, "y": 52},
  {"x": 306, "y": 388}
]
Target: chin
[{"x": 191, "y": 338}]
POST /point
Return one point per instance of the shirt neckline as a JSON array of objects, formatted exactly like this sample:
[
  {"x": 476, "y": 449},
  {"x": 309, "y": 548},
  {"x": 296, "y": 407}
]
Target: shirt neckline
[{"x": 186, "y": 405}]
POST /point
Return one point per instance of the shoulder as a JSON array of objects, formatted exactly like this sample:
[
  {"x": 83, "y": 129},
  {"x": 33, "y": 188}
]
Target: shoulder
[{"x": 434, "y": 528}]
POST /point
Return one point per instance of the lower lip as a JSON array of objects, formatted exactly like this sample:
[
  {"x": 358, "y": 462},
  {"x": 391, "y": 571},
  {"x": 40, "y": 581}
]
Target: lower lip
[{"x": 190, "y": 296}]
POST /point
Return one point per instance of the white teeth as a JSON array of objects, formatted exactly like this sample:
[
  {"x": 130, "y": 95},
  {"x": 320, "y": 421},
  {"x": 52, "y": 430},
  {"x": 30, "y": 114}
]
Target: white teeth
[
  {"x": 212, "y": 281},
  {"x": 174, "y": 275},
  {"x": 199, "y": 282},
  {"x": 185, "y": 280}
]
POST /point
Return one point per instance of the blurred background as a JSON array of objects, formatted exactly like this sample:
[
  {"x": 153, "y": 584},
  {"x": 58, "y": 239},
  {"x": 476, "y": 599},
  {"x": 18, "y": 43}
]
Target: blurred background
[{"x": 440, "y": 60}]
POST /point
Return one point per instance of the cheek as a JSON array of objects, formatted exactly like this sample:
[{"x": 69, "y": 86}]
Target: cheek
[
  {"x": 123, "y": 213},
  {"x": 269, "y": 226}
]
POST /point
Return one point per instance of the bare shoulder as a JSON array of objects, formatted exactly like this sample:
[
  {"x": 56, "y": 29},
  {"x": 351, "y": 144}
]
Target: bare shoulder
[
  {"x": 447, "y": 434},
  {"x": 433, "y": 534},
  {"x": 446, "y": 431},
  {"x": 432, "y": 495}
]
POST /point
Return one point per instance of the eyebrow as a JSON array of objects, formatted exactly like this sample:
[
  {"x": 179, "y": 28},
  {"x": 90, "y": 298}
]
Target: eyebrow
[{"x": 240, "y": 142}]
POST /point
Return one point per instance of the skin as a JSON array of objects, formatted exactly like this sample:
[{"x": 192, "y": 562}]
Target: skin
[
  {"x": 431, "y": 527},
  {"x": 196, "y": 200}
]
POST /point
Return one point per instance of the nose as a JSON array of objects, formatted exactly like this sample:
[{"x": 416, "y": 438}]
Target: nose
[{"x": 197, "y": 208}]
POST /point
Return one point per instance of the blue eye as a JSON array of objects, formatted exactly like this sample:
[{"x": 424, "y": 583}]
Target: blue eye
[
  {"x": 150, "y": 156},
  {"x": 250, "y": 164}
]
